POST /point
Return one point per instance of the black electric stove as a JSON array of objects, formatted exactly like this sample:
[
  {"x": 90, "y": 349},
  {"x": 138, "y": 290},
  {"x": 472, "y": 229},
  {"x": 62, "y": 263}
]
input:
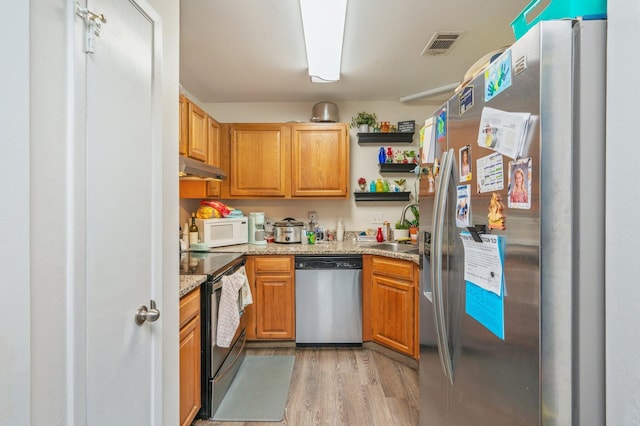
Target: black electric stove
[
  {"x": 207, "y": 263},
  {"x": 219, "y": 364}
]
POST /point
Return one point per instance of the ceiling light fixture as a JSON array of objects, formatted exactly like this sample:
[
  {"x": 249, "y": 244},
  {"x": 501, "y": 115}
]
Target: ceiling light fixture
[
  {"x": 323, "y": 26},
  {"x": 431, "y": 92}
]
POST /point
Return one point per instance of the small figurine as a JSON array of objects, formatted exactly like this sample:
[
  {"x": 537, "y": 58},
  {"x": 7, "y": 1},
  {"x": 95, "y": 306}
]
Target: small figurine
[
  {"x": 431, "y": 180},
  {"x": 496, "y": 216}
]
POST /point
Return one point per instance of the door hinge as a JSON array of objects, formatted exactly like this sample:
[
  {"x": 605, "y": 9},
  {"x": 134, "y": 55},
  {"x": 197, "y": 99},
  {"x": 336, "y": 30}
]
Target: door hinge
[{"x": 93, "y": 22}]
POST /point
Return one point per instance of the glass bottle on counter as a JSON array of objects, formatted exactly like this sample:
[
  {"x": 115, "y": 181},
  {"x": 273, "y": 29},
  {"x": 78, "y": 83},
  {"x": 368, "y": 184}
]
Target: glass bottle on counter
[{"x": 193, "y": 230}]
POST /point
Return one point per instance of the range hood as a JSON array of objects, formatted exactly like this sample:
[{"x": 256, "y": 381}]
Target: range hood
[{"x": 190, "y": 169}]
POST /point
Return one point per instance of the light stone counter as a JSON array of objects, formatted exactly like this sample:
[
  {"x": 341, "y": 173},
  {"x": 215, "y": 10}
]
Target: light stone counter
[
  {"x": 324, "y": 248},
  {"x": 189, "y": 282}
]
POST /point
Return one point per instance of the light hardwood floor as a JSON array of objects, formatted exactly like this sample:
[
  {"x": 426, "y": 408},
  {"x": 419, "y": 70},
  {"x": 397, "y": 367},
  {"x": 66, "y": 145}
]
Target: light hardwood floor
[{"x": 344, "y": 386}]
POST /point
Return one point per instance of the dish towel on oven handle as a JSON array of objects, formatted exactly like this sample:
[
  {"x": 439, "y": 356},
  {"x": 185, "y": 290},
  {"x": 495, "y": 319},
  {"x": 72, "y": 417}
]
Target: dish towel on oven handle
[
  {"x": 228, "y": 312},
  {"x": 247, "y": 299}
]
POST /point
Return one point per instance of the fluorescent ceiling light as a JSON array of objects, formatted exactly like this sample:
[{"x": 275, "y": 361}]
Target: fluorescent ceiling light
[
  {"x": 431, "y": 92},
  {"x": 323, "y": 25}
]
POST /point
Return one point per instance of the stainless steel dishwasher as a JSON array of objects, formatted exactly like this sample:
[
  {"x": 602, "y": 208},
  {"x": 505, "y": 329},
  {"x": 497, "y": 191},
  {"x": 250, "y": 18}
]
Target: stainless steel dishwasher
[{"x": 328, "y": 300}]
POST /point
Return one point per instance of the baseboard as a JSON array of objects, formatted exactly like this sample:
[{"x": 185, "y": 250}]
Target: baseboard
[
  {"x": 266, "y": 344},
  {"x": 390, "y": 353}
]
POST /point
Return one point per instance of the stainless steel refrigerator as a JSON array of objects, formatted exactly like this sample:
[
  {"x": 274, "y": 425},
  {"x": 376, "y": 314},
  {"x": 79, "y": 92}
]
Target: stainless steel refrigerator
[{"x": 529, "y": 350}]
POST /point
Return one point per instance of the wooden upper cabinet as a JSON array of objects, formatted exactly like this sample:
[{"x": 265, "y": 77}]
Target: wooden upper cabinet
[
  {"x": 198, "y": 140},
  {"x": 320, "y": 160},
  {"x": 184, "y": 126},
  {"x": 259, "y": 160},
  {"x": 213, "y": 150}
]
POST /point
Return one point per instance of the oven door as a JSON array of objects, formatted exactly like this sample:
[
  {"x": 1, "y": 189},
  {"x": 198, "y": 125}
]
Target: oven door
[{"x": 219, "y": 354}]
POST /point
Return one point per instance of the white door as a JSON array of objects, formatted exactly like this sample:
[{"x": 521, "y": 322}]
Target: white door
[{"x": 123, "y": 215}]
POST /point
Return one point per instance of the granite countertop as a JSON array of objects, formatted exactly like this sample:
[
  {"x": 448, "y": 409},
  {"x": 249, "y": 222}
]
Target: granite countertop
[
  {"x": 324, "y": 248},
  {"x": 189, "y": 282}
]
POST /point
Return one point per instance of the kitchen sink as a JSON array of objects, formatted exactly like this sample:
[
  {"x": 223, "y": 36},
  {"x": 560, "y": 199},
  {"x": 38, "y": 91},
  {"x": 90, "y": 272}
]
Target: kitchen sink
[{"x": 396, "y": 247}]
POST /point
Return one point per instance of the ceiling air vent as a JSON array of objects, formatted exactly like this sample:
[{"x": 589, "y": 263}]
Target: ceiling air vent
[{"x": 441, "y": 42}]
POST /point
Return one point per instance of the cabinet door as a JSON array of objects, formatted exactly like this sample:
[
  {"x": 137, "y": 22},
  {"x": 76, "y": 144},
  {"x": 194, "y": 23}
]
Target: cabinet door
[
  {"x": 197, "y": 133},
  {"x": 184, "y": 126},
  {"x": 393, "y": 306},
  {"x": 213, "y": 150},
  {"x": 259, "y": 160},
  {"x": 190, "y": 361},
  {"x": 320, "y": 160},
  {"x": 275, "y": 307}
]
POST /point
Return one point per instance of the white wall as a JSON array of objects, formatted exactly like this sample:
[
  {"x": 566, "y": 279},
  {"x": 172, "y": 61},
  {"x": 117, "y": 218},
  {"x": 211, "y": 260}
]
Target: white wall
[
  {"x": 623, "y": 202},
  {"x": 364, "y": 159},
  {"x": 169, "y": 10},
  {"x": 14, "y": 214},
  {"x": 51, "y": 282}
]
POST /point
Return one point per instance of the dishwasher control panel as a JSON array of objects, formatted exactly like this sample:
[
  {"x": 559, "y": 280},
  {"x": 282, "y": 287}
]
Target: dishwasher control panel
[{"x": 328, "y": 262}]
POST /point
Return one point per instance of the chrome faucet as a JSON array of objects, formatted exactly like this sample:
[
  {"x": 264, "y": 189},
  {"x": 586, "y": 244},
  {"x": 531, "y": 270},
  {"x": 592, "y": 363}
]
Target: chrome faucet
[{"x": 404, "y": 211}]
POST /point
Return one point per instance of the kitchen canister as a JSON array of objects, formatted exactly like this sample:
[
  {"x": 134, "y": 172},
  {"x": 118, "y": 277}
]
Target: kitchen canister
[{"x": 340, "y": 231}]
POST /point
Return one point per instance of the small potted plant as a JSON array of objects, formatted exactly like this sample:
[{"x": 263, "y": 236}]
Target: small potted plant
[
  {"x": 401, "y": 231},
  {"x": 362, "y": 183},
  {"x": 363, "y": 120}
]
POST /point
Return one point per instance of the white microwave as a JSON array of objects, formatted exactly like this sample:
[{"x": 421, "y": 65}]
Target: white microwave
[{"x": 223, "y": 232}]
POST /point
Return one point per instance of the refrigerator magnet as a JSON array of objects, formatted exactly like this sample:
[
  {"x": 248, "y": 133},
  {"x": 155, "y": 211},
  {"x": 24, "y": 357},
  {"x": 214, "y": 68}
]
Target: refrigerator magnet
[
  {"x": 519, "y": 184},
  {"x": 498, "y": 76},
  {"x": 465, "y": 99},
  {"x": 441, "y": 126},
  {"x": 464, "y": 159},
  {"x": 496, "y": 217},
  {"x": 463, "y": 205}
]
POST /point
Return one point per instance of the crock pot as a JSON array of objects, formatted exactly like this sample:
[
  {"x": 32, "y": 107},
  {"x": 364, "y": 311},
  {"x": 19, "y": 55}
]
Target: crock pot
[
  {"x": 287, "y": 231},
  {"x": 324, "y": 112}
]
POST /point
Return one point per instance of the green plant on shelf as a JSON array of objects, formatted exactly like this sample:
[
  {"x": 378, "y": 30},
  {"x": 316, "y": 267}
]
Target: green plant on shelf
[{"x": 363, "y": 117}]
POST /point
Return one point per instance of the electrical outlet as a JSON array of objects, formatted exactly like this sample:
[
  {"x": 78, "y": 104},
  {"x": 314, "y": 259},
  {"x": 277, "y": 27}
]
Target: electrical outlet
[
  {"x": 376, "y": 217},
  {"x": 313, "y": 217}
]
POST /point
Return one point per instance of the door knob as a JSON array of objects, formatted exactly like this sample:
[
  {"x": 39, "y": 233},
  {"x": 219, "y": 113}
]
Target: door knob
[{"x": 147, "y": 314}]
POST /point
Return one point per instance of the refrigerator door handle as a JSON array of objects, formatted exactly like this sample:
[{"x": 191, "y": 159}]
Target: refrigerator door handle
[
  {"x": 436, "y": 270},
  {"x": 436, "y": 259}
]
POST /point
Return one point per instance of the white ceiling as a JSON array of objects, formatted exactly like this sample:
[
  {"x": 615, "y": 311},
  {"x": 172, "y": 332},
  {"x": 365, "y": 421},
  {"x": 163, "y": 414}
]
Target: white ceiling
[{"x": 253, "y": 50}]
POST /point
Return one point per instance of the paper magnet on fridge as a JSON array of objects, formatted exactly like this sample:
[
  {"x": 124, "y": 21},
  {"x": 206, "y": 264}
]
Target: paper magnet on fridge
[{"x": 496, "y": 217}]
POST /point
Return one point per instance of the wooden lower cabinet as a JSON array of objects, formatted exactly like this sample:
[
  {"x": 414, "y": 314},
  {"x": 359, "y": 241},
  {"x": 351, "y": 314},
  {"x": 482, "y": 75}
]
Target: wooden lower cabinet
[
  {"x": 394, "y": 304},
  {"x": 272, "y": 315},
  {"x": 190, "y": 361}
]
